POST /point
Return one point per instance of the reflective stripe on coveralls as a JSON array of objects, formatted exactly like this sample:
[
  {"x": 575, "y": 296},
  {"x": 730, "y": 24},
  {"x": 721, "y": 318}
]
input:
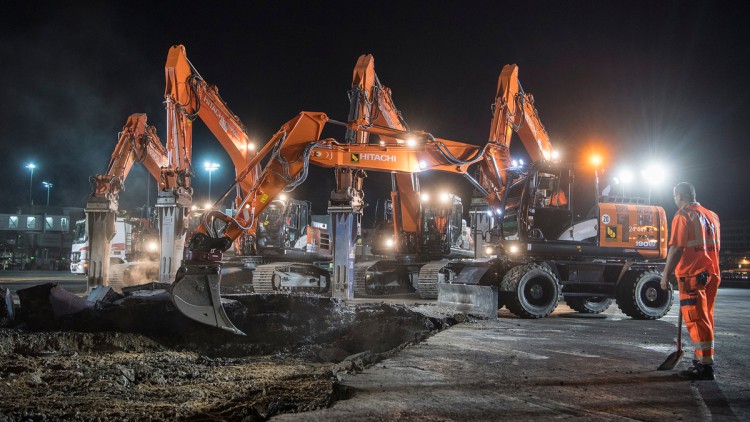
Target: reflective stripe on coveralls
[
  {"x": 700, "y": 236},
  {"x": 697, "y": 311}
]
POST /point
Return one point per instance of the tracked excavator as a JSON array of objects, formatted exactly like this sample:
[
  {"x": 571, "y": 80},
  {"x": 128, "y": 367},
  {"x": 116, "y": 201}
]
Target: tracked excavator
[
  {"x": 187, "y": 96},
  {"x": 540, "y": 249},
  {"x": 296, "y": 145},
  {"x": 412, "y": 239},
  {"x": 137, "y": 142},
  {"x": 442, "y": 234},
  {"x": 415, "y": 240}
]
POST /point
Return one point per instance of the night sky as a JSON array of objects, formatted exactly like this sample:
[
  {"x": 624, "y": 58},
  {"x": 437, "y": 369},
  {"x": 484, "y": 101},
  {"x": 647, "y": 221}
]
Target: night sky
[{"x": 640, "y": 81}]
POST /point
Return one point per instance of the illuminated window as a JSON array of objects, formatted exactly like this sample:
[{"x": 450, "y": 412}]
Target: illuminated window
[
  {"x": 13, "y": 222},
  {"x": 30, "y": 222},
  {"x": 48, "y": 223},
  {"x": 64, "y": 224}
]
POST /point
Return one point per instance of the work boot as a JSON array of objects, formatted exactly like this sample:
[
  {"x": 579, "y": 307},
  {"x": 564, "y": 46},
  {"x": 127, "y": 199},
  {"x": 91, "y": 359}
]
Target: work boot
[{"x": 698, "y": 372}]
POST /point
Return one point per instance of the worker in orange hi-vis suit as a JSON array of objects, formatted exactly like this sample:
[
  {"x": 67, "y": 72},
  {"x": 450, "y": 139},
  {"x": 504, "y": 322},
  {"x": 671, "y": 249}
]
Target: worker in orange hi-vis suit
[{"x": 694, "y": 257}]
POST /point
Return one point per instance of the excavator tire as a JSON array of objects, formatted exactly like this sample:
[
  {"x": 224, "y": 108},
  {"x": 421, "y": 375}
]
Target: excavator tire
[
  {"x": 530, "y": 291},
  {"x": 639, "y": 295},
  {"x": 588, "y": 305}
]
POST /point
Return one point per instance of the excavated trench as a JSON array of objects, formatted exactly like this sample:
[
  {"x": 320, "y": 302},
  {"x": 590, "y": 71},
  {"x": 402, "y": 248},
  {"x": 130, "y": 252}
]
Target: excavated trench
[{"x": 137, "y": 357}]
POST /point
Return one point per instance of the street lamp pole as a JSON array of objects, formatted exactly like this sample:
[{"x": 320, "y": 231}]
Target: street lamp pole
[
  {"x": 31, "y": 167},
  {"x": 48, "y": 186},
  {"x": 210, "y": 168}
]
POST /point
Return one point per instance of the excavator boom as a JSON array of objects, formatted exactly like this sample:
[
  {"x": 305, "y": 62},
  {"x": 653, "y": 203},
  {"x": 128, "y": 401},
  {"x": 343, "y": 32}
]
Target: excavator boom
[{"x": 190, "y": 96}]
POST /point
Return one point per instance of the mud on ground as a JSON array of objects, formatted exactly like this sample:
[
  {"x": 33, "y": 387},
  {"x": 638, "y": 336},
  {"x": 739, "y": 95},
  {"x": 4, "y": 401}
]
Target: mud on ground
[{"x": 139, "y": 359}]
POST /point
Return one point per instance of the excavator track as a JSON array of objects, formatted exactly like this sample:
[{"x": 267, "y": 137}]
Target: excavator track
[
  {"x": 263, "y": 279},
  {"x": 360, "y": 277},
  {"x": 427, "y": 286}
]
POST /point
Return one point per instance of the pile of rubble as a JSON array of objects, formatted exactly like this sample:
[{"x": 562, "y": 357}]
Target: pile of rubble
[{"x": 135, "y": 356}]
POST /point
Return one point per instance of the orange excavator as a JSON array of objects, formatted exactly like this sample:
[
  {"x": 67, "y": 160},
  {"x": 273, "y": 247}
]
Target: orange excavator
[
  {"x": 187, "y": 96},
  {"x": 137, "y": 142},
  {"x": 414, "y": 239},
  {"x": 541, "y": 249},
  {"x": 401, "y": 249},
  {"x": 292, "y": 149}
]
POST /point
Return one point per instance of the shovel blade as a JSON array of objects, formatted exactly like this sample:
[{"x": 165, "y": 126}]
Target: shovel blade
[
  {"x": 672, "y": 360},
  {"x": 196, "y": 293}
]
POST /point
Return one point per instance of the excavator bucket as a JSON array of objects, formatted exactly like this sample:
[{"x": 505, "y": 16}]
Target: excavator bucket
[{"x": 195, "y": 293}]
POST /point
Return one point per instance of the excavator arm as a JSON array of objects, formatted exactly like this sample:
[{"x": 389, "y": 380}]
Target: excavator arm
[
  {"x": 372, "y": 105},
  {"x": 298, "y": 143},
  {"x": 137, "y": 142},
  {"x": 513, "y": 111},
  {"x": 189, "y": 96}
]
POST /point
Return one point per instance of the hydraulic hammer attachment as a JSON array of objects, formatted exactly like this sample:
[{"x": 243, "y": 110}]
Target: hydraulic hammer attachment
[{"x": 195, "y": 293}]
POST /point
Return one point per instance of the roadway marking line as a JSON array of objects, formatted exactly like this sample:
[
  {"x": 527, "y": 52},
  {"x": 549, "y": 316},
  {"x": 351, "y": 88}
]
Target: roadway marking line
[
  {"x": 703, "y": 410},
  {"x": 519, "y": 353},
  {"x": 583, "y": 355},
  {"x": 564, "y": 408}
]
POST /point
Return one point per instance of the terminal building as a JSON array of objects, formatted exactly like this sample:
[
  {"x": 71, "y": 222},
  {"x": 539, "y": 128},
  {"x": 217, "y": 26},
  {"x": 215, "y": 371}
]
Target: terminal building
[{"x": 37, "y": 237}]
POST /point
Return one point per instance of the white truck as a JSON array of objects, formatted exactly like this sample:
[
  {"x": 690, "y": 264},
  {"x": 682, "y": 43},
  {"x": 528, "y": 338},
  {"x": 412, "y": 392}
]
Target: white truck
[{"x": 79, "y": 255}]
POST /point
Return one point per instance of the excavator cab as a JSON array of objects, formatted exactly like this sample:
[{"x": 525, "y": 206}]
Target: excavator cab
[
  {"x": 549, "y": 214},
  {"x": 282, "y": 227},
  {"x": 382, "y": 240},
  {"x": 443, "y": 229},
  {"x": 536, "y": 206}
]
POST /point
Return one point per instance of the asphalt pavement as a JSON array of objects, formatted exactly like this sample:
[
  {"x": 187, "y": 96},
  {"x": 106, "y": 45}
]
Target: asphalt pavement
[
  {"x": 569, "y": 365},
  {"x": 16, "y": 280}
]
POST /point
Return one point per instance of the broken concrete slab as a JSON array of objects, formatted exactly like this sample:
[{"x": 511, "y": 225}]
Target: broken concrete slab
[
  {"x": 153, "y": 285},
  {"x": 103, "y": 294},
  {"x": 42, "y": 305},
  {"x": 7, "y": 312}
]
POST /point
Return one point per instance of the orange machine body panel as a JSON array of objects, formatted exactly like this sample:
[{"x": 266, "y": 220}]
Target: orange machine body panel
[{"x": 640, "y": 227}]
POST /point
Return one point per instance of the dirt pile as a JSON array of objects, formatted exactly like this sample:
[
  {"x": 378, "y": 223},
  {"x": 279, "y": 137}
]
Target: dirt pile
[{"x": 139, "y": 358}]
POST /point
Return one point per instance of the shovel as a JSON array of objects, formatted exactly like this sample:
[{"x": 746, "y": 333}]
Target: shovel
[{"x": 674, "y": 358}]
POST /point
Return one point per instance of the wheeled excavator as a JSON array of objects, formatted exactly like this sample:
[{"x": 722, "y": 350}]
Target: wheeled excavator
[{"x": 541, "y": 250}]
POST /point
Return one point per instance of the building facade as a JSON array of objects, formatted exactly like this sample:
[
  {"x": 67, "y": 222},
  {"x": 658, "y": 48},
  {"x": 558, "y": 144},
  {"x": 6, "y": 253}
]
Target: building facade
[{"x": 37, "y": 237}]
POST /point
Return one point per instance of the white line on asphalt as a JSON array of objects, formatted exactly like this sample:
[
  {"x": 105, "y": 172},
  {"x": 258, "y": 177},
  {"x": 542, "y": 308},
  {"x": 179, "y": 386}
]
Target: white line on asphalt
[
  {"x": 583, "y": 355},
  {"x": 703, "y": 411},
  {"x": 528, "y": 355}
]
